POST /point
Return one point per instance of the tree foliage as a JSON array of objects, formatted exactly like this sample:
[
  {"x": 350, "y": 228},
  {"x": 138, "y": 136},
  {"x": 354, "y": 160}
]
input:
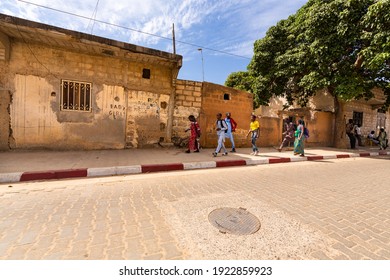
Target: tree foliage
[
  {"x": 340, "y": 45},
  {"x": 244, "y": 81}
]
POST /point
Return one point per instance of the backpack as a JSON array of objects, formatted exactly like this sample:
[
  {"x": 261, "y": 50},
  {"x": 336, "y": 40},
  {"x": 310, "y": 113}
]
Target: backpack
[
  {"x": 223, "y": 125},
  {"x": 306, "y": 132}
]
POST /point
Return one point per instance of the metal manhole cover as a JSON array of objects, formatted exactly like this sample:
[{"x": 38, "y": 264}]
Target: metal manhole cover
[{"x": 234, "y": 220}]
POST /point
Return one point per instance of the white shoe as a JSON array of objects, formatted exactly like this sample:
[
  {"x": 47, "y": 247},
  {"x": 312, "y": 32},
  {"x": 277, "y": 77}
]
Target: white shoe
[
  {"x": 252, "y": 153},
  {"x": 256, "y": 153}
]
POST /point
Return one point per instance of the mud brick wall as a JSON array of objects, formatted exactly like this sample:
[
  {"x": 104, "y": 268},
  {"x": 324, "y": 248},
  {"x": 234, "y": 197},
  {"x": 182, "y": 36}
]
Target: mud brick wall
[
  {"x": 4, "y": 120},
  {"x": 125, "y": 106},
  {"x": 221, "y": 99},
  {"x": 188, "y": 102}
]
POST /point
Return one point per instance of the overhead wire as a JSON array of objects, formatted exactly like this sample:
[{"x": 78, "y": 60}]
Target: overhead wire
[
  {"x": 94, "y": 16},
  {"x": 131, "y": 29}
]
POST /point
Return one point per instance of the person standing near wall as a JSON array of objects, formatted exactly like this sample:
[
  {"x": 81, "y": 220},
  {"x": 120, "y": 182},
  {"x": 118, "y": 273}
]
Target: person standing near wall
[
  {"x": 349, "y": 130},
  {"x": 221, "y": 128},
  {"x": 231, "y": 128},
  {"x": 358, "y": 134},
  {"x": 254, "y": 128},
  {"x": 382, "y": 138}
]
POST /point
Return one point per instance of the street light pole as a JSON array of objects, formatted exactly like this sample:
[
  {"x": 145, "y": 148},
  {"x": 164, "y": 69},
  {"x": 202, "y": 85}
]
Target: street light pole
[{"x": 201, "y": 53}]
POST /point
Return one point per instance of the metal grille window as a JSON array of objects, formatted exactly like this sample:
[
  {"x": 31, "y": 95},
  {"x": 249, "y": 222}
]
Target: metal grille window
[{"x": 76, "y": 96}]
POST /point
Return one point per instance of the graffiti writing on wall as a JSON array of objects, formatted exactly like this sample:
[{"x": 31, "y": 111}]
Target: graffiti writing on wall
[
  {"x": 147, "y": 107},
  {"x": 117, "y": 111}
]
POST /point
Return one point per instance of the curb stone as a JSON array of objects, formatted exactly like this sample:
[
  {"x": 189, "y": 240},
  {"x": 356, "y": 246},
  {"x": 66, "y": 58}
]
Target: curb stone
[{"x": 149, "y": 168}]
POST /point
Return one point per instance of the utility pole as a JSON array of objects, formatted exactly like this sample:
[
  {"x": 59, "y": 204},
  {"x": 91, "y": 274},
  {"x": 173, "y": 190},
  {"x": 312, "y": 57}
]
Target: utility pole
[
  {"x": 173, "y": 38},
  {"x": 201, "y": 53}
]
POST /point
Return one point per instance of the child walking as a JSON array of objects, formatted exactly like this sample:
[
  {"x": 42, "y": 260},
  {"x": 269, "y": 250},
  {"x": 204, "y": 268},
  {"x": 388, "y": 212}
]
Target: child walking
[
  {"x": 221, "y": 128},
  {"x": 195, "y": 133},
  {"x": 254, "y": 128}
]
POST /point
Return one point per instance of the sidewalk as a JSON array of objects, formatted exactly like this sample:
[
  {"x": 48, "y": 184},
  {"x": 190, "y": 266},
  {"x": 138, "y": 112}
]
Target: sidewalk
[{"x": 16, "y": 166}]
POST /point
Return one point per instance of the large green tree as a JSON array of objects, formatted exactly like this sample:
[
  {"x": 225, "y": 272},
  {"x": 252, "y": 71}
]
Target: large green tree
[{"x": 339, "y": 45}]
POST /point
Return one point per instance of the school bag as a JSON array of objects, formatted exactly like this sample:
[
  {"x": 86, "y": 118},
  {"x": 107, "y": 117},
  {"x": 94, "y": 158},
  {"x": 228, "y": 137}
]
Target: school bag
[
  {"x": 306, "y": 132},
  {"x": 223, "y": 125}
]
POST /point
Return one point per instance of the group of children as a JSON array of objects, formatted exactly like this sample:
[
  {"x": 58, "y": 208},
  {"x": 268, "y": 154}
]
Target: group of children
[{"x": 224, "y": 128}]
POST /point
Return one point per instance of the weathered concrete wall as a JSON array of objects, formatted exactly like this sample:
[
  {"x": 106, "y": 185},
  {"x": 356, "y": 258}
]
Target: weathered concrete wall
[
  {"x": 38, "y": 122},
  {"x": 120, "y": 99},
  {"x": 5, "y": 134},
  {"x": 5, "y": 47},
  {"x": 188, "y": 102},
  {"x": 221, "y": 99},
  {"x": 270, "y": 128},
  {"x": 320, "y": 127},
  {"x": 147, "y": 118}
]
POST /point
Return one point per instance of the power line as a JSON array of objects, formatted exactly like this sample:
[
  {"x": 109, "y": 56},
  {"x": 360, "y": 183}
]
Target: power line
[
  {"x": 94, "y": 16},
  {"x": 131, "y": 29}
]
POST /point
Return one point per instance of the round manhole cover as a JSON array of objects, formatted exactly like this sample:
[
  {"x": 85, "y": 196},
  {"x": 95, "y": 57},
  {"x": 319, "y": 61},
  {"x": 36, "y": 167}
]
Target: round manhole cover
[{"x": 234, "y": 220}]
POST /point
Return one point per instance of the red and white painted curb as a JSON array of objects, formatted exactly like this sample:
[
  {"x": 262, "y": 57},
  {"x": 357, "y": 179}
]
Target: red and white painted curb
[{"x": 149, "y": 168}]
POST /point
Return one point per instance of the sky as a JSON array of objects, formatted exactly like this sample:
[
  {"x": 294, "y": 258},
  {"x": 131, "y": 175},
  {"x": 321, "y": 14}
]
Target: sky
[{"x": 224, "y": 30}]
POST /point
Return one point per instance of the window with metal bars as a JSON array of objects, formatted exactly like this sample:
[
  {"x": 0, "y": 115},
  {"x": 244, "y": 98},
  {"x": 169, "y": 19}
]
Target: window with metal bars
[{"x": 75, "y": 96}]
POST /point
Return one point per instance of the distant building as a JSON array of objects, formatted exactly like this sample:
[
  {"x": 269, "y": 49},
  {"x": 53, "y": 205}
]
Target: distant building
[{"x": 319, "y": 117}]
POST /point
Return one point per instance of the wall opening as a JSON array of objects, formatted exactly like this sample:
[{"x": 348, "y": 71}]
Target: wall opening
[
  {"x": 357, "y": 118},
  {"x": 146, "y": 73}
]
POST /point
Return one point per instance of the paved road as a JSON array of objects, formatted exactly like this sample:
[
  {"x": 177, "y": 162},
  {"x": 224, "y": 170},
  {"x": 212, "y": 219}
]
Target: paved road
[{"x": 330, "y": 209}]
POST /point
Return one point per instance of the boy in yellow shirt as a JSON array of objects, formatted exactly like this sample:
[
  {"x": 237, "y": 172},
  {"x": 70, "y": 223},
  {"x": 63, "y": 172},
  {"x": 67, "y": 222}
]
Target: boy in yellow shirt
[{"x": 254, "y": 128}]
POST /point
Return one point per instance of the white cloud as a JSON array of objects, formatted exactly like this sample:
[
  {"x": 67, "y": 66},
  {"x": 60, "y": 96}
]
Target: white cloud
[
  {"x": 157, "y": 17},
  {"x": 226, "y": 25}
]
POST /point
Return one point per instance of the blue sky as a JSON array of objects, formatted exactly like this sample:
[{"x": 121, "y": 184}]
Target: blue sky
[{"x": 225, "y": 30}]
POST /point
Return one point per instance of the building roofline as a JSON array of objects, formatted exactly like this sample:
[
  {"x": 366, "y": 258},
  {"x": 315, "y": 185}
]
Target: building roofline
[{"x": 84, "y": 37}]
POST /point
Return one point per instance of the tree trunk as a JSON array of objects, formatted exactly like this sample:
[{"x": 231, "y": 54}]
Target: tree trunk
[{"x": 340, "y": 137}]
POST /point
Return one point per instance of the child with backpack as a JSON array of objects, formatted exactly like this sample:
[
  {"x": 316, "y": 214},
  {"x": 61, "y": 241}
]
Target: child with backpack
[
  {"x": 232, "y": 125},
  {"x": 221, "y": 128}
]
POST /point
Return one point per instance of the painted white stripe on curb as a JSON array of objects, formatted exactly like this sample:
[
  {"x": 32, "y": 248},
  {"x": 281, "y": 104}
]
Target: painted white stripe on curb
[
  {"x": 354, "y": 155},
  {"x": 330, "y": 157},
  {"x": 296, "y": 159},
  {"x": 116, "y": 170},
  {"x": 10, "y": 177},
  {"x": 257, "y": 161},
  {"x": 374, "y": 154},
  {"x": 199, "y": 165}
]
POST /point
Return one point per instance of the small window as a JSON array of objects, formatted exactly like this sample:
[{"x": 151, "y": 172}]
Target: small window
[
  {"x": 75, "y": 96},
  {"x": 226, "y": 96},
  {"x": 358, "y": 118},
  {"x": 146, "y": 73}
]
